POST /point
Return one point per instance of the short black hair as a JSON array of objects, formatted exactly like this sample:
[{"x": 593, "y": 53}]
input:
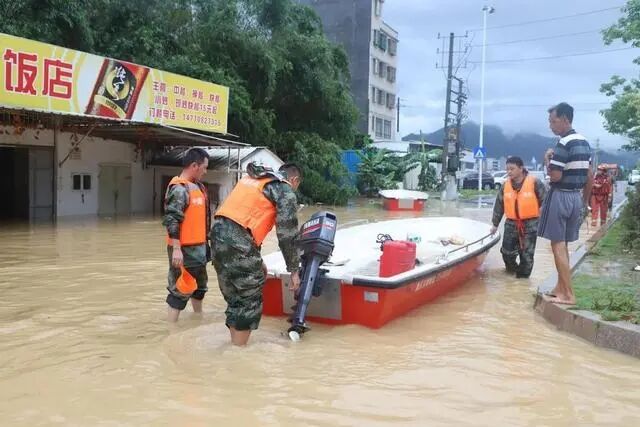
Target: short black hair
[
  {"x": 515, "y": 160},
  {"x": 291, "y": 170},
  {"x": 563, "y": 110},
  {"x": 194, "y": 155}
]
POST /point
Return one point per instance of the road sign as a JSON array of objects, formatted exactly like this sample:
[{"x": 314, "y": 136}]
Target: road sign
[{"x": 480, "y": 152}]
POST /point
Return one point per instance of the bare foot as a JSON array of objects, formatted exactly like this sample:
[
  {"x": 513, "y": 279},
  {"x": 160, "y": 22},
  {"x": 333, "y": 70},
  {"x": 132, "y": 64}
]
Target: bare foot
[{"x": 563, "y": 300}]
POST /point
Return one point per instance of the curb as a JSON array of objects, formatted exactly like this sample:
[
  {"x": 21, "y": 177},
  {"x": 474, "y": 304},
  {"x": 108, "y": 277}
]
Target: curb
[{"x": 621, "y": 336}]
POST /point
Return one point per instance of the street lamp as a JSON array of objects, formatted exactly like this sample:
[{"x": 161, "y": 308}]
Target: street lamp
[{"x": 486, "y": 10}]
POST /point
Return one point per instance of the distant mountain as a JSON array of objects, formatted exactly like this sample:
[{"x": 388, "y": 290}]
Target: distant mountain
[{"x": 524, "y": 144}]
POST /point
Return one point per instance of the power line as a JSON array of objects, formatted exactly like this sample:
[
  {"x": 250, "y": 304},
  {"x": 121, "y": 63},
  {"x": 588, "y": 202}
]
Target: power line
[
  {"x": 539, "y": 38},
  {"x": 556, "y": 18},
  {"x": 508, "y": 105},
  {"x": 539, "y": 58}
]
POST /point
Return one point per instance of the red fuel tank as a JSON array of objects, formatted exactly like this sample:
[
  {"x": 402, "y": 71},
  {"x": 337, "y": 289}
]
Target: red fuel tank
[{"x": 397, "y": 257}]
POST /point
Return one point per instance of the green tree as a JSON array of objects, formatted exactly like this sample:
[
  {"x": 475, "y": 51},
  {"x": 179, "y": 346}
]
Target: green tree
[
  {"x": 289, "y": 84},
  {"x": 375, "y": 172},
  {"x": 427, "y": 179},
  {"x": 623, "y": 117}
]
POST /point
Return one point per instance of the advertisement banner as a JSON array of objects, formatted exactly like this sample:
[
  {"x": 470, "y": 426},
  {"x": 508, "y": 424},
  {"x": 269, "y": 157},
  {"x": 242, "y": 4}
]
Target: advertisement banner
[{"x": 44, "y": 77}]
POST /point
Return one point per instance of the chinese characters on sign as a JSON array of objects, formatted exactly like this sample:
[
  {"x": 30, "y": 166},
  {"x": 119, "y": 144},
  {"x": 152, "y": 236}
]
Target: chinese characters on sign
[
  {"x": 21, "y": 69},
  {"x": 44, "y": 77},
  {"x": 196, "y": 109}
]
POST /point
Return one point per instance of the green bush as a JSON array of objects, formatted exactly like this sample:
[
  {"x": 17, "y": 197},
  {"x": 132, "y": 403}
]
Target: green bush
[{"x": 630, "y": 221}]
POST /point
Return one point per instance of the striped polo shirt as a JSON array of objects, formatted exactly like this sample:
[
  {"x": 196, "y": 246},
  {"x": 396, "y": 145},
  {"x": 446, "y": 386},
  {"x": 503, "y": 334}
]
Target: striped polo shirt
[{"x": 571, "y": 156}]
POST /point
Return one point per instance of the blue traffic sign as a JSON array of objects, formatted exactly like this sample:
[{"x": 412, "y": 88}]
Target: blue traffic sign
[{"x": 480, "y": 152}]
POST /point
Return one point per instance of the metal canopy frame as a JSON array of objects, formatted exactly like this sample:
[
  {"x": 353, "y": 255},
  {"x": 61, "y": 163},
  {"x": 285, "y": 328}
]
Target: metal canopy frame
[{"x": 125, "y": 131}]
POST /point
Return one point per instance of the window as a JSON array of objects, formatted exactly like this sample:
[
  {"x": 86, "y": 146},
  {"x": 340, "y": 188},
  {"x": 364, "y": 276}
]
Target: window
[
  {"x": 391, "y": 74},
  {"x": 387, "y": 129},
  {"x": 381, "y": 97},
  {"x": 382, "y": 71},
  {"x": 391, "y": 100},
  {"x": 380, "y": 39},
  {"x": 81, "y": 181},
  {"x": 379, "y": 126},
  {"x": 382, "y": 43},
  {"x": 393, "y": 47},
  {"x": 378, "y": 7},
  {"x": 373, "y": 94},
  {"x": 375, "y": 65}
]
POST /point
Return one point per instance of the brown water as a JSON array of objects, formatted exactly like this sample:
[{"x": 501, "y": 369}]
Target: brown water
[{"x": 83, "y": 342}]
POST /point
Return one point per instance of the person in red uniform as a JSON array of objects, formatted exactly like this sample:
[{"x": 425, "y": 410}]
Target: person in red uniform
[{"x": 600, "y": 196}]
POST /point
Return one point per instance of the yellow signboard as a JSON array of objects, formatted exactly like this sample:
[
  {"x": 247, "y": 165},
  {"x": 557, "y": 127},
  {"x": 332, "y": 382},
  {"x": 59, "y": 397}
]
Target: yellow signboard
[{"x": 44, "y": 77}]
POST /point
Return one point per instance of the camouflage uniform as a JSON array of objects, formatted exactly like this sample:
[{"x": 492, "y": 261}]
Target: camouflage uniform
[
  {"x": 238, "y": 262},
  {"x": 518, "y": 243},
  {"x": 195, "y": 257}
]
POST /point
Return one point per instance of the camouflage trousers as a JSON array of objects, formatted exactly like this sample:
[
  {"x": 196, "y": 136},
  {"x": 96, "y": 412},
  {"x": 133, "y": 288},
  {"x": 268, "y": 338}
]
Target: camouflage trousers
[
  {"x": 238, "y": 263},
  {"x": 515, "y": 246},
  {"x": 195, "y": 263}
]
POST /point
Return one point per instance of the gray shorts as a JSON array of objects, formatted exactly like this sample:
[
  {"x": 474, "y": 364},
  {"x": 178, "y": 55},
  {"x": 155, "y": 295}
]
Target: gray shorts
[{"x": 561, "y": 216}]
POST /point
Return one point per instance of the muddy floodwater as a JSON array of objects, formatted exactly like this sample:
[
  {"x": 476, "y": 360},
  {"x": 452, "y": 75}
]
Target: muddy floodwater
[{"x": 83, "y": 342}]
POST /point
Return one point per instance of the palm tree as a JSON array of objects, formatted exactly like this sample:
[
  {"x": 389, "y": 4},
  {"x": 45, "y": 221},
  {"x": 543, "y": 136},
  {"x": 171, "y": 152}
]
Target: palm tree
[
  {"x": 375, "y": 171},
  {"x": 427, "y": 179}
]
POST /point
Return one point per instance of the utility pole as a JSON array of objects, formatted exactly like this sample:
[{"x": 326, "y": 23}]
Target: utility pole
[
  {"x": 596, "y": 156},
  {"x": 451, "y": 140},
  {"x": 398, "y": 117},
  {"x": 447, "y": 111},
  {"x": 460, "y": 102}
]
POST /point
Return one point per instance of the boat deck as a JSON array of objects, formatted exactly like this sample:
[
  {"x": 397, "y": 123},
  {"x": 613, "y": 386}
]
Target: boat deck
[
  {"x": 357, "y": 253},
  {"x": 426, "y": 253}
]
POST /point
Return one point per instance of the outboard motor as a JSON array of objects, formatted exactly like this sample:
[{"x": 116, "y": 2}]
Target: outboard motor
[{"x": 316, "y": 241}]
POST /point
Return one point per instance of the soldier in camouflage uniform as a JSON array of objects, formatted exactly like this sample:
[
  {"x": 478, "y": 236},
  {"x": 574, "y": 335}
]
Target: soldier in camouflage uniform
[
  {"x": 187, "y": 219},
  {"x": 258, "y": 202},
  {"x": 520, "y": 199}
]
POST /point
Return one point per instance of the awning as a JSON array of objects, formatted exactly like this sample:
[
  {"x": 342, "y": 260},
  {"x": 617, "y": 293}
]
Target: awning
[
  {"x": 152, "y": 135},
  {"x": 219, "y": 157}
]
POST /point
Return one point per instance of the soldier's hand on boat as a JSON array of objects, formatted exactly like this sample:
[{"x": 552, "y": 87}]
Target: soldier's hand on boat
[
  {"x": 493, "y": 230},
  {"x": 294, "y": 284},
  {"x": 176, "y": 258}
]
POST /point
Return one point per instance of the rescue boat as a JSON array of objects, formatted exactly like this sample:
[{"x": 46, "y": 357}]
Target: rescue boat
[
  {"x": 373, "y": 273},
  {"x": 403, "y": 200}
]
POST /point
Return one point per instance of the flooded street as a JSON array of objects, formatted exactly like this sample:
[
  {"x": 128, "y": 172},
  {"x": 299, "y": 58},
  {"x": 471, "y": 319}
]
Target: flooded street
[{"x": 84, "y": 342}]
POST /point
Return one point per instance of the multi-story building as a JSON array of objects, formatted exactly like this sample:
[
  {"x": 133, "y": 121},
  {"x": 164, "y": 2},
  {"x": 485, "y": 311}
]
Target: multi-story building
[{"x": 372, "y": 48}]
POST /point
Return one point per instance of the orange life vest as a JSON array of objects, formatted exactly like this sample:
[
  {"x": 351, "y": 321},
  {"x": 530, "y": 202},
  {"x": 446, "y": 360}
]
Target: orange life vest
[
  {"x": 521, "y": 204},
  {"x": 248, "y": 207},
  {"x": 193, "y": 229}
]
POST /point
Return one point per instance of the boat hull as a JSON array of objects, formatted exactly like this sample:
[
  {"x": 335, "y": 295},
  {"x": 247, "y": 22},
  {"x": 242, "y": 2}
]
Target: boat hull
[
  {"x": 370, "y": 305},
  {"x": 403, "y": 204}
]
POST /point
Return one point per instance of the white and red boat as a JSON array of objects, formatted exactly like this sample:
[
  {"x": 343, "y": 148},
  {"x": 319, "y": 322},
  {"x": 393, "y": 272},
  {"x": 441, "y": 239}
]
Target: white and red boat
[
  {"x": 403, "y": 200},
  {"x": 447, "y": 252}
]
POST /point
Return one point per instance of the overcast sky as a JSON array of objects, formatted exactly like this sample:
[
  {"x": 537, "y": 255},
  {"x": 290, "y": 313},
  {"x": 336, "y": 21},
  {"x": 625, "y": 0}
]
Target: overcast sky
[{"x": 516, "y": 93}]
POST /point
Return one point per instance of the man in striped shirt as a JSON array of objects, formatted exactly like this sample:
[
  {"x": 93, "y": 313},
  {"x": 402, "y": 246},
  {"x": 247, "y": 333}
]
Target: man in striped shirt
[{"x": 571, "y": 180}]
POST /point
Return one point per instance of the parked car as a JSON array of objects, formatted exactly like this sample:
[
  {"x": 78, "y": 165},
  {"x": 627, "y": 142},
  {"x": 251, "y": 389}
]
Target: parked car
[
  {"x": 470, "y": 181},
  {"x": 499, "y": 178},
  {"x": 634, "y": 177},
  {"x": 541, "y": 176}
]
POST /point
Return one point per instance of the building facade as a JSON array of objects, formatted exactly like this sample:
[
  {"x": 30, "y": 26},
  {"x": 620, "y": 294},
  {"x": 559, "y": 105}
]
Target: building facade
[{"x": 372, "y": 48}]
